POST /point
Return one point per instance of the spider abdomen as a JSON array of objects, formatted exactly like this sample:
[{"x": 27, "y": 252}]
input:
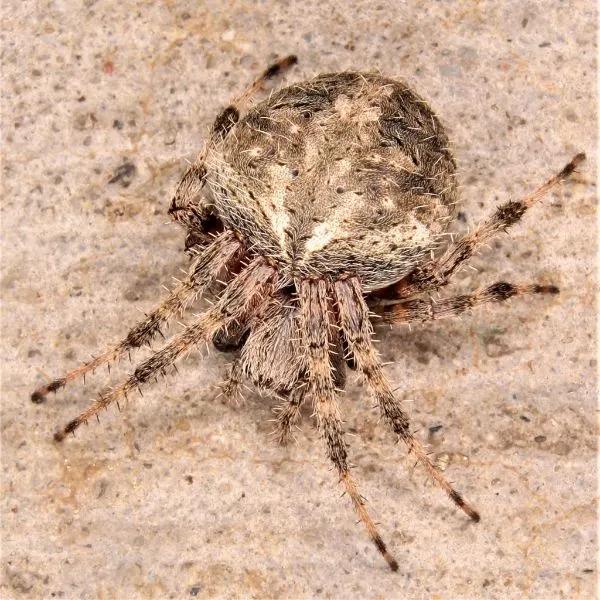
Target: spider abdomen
[{"x": 344, "y": 173}]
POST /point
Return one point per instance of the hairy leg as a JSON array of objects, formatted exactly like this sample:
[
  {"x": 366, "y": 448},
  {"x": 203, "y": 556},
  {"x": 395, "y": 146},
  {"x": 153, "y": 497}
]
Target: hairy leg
[
  {"x": 187, "y": 207},
  {"x": 239, "y": 299},
  {"x": 272, "y": 360},
  {"x": 230, "y": 115},
  {"x": 437, "y": 272},
  {"x": 196, "y": 215},
  {"x": 354, "y": 317},
  {"x": 230, "y": 388},
  {"x": 270, "y": 356},
  {"x": 202, "y": 272},
  {"x": 288, "y": 414},
  {"x": 421, "y": 310},
  {"x": 315, "y": 325}
]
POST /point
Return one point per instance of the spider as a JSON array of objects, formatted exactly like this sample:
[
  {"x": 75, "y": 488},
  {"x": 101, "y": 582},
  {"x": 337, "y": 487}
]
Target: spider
[{"x": 326, "y": 209}]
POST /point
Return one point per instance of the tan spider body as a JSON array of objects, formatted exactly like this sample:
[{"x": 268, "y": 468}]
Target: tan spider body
[
  {"x": 345, "y": 173},
  {"x": 323, "y": 206}
]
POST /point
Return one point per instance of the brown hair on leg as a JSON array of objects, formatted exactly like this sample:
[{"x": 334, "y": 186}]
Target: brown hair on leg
[
  {"x": 204, "y": 269},
  {"x": 230, "y": 115},
  {"x": 238, "y": 299},
  {"x": 288, "y": 414},
  {"x": 437, "y": 272},
  {"x": 356, "y": 325},
  {"x": 422, "y": 310},
  {"x": 315, "y": 325}
]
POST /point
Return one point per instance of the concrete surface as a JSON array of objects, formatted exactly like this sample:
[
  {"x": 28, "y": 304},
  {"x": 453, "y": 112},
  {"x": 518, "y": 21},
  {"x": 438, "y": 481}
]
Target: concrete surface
[{"x": 182, "y": 495}]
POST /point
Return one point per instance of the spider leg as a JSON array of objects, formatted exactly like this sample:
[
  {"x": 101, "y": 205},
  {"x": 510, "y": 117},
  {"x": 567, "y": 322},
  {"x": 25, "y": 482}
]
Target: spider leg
[
  {"x": 437, "y": 272},
  {"x": 238, "y": 299},
  {"x": 356, "y": 325},
  {"x": 230, "y": 115},
  {"x": 204, "y": 269},
  {"x": 315, "y": 326},
  {"x": 187, "y": 206},
  {"x": 230, "y": 388},
  {"x": 270, "y": 356},
  {"x": 277, "y": 68},
  {"x": 288, "y": 414},
  {"x": 421, "y": 310}
]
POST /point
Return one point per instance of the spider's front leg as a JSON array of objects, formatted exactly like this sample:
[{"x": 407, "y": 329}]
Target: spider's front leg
[
  {"x": 357, "y": 328},
  {"x": 203, "y": 271},
  {"x": 289, "y": 411},
  {"x": 315, "y": 325}
]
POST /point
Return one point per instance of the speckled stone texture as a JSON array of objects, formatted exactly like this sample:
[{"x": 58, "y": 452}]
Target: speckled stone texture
[{"x": 183, "y": 495}]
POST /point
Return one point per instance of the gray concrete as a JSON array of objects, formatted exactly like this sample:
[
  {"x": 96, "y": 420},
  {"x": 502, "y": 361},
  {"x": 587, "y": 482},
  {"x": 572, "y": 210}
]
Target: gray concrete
[{"x": 182, "y": 495}]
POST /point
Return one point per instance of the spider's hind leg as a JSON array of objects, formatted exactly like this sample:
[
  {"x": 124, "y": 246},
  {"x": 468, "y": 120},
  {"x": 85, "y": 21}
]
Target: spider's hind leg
[
  {"x": 188, "y": 207},
  {"x": 437, "y": 272},
  {"x": 230, "y": 115}
]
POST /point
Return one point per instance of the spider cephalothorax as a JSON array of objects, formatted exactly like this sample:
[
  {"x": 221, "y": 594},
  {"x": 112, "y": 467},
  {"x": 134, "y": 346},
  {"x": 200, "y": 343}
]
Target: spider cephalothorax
[{"x": 324, "y": 206}]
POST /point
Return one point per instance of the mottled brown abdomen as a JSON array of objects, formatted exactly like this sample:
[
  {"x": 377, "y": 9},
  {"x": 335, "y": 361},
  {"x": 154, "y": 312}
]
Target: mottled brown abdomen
[{"x": 344, "y": 173}]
